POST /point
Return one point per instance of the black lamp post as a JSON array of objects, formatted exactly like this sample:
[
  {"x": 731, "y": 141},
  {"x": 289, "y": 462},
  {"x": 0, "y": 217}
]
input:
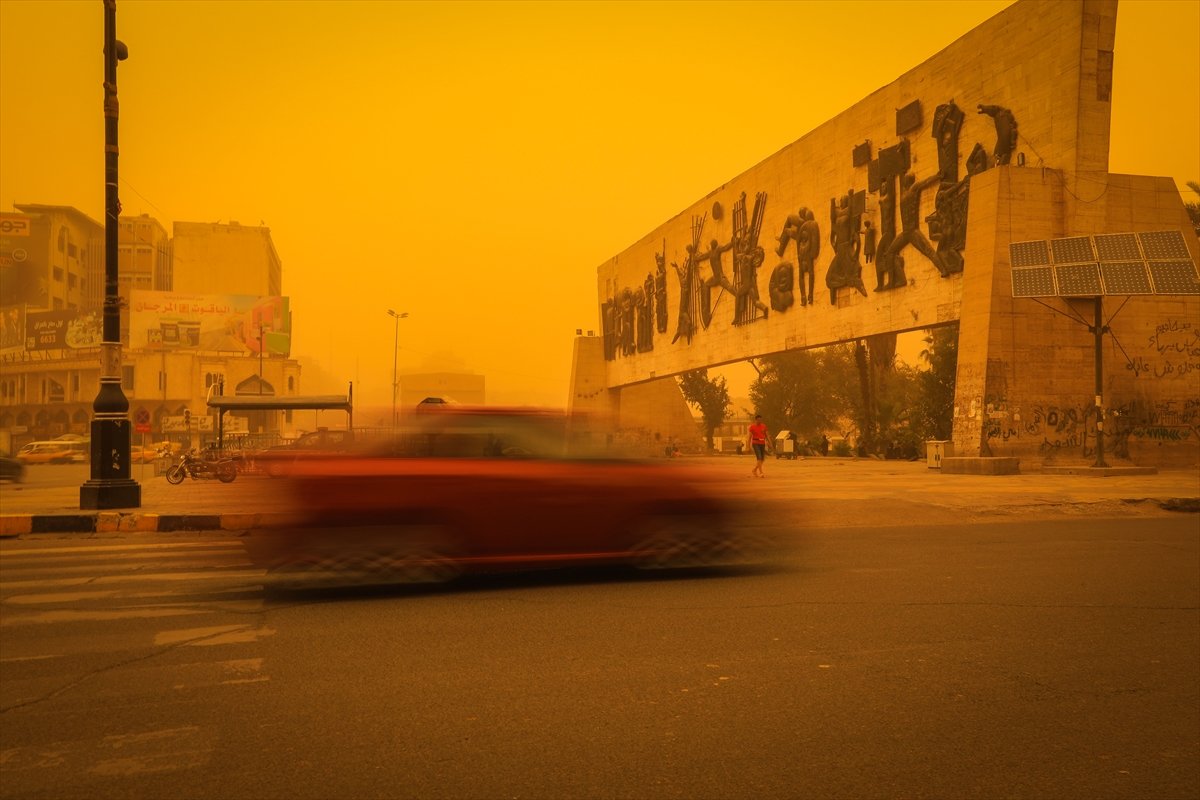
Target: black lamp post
[{"x": 110, "y": 485}]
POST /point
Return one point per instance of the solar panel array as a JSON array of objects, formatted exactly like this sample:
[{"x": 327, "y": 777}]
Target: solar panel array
[{"x": 1156, "y": 262}]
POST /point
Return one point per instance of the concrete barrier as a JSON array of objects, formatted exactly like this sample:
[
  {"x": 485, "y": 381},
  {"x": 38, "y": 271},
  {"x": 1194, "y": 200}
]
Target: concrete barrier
[{"x": 967, "y": 465}]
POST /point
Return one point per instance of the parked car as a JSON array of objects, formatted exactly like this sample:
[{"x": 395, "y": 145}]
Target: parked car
[
  {"x": 11, "y": 469},
  {"x": 55, "y": 451},
  {"x": 142, "y": 454},
  {"x": 494, "y": 490},
  {"x": 278, "y": 460}
]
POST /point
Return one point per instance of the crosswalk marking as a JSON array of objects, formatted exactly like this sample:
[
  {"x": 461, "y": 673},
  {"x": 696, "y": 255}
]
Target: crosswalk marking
[
  {"x": 18, "y": 551},
  {"x": 245, "y": 574},
  {"x": 123, "y": 626}
]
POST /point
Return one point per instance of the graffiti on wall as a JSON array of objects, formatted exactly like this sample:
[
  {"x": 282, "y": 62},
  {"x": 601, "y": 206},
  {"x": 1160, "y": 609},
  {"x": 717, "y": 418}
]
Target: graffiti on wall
[
  {"x": 1172, "y": 351},
  {"x": 1072, "y": 428}
]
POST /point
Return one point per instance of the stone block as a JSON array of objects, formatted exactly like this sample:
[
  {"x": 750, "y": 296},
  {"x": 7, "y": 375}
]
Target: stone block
[
  {"x": 15, "y": 524},
  {"x": 981, "y": 465}
]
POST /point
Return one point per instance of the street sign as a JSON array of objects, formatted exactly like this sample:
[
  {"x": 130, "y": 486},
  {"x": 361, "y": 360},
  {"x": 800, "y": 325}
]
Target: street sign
[{"x": 180, "y": 424}]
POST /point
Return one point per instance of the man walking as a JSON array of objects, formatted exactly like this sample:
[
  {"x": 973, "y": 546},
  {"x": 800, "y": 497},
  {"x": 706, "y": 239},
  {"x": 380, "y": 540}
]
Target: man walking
[{"x": 758, "y": 443}]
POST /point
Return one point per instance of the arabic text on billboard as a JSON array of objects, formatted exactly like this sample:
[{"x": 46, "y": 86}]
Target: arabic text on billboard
[
  {"x": 218, "y": 322},
  {"x": 62, "y": 330}
]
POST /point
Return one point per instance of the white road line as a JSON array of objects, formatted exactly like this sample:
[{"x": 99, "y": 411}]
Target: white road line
[
  {"x": 137, "y": 577},
  {"x": 61, "y": 558},
  {"x": 16, "y": 572},
  {"x": 11, "y": 551},
  {"x": 10, "y": 620}
]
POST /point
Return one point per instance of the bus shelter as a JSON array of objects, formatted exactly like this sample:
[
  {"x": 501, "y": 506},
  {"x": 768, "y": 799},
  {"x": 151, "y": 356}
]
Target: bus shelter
[{"x": 221, "y": 404}]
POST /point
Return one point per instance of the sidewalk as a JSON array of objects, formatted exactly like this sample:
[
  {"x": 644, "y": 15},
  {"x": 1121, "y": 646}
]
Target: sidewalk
[{"x": 821, "y": 492}]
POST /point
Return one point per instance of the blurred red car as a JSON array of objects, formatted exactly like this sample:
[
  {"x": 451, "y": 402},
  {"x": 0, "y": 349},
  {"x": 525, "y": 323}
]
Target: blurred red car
[{"x": 486, "y": 490}]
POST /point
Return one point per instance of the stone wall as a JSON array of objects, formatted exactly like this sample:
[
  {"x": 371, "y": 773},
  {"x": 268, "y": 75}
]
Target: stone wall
[
  {"x": 681, "y": 298},
  {"x": 1037, "y": 59},
  {"x": 1026, "y": 368}
]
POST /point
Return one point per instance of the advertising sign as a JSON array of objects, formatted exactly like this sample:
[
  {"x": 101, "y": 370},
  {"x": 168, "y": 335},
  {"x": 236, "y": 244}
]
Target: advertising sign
[
  {"x": 14, "y": 225},
  {"x": 12, "y": 328},
  {"x": 62, "y": 330},
  {"x": 243, "y": 324}
]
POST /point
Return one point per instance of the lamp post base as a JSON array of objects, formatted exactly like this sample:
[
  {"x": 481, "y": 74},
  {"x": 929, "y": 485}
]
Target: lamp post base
[{"x": 110, "y": 493}]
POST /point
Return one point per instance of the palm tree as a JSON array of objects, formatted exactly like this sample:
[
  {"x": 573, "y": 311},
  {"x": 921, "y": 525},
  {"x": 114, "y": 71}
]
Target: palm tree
[{"x": 1193, "y": 207}]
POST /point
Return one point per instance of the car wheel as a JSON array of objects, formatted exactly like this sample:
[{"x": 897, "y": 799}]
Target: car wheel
[
  {"x": 675, "y": 541},
  {"x": 372, "y": 555}
]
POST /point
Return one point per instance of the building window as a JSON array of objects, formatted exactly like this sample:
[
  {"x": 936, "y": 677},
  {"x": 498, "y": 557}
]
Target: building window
[
  {"x": 54, "y": 391},
  {"x": 62, "y": 239},
  {"x": 127, "y": 378},
  {"x": 58, "y": 274},
  {"x": 72, "y": 250},
  {"x": 291, "y": 384}
]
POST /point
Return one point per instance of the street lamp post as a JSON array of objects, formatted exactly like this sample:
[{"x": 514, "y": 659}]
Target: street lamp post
[
  {"x": 110, "y": 484},
  {"x": 396, "y": 317},
  {"x": 261, "y": 330}
]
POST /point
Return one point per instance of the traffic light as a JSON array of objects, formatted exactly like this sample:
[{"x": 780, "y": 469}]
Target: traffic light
[{"x": 187, "y": 418}]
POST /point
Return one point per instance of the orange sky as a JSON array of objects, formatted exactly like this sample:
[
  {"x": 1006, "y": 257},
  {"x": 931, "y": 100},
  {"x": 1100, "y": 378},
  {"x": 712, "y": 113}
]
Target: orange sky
[{"x": 473, "y": 163}]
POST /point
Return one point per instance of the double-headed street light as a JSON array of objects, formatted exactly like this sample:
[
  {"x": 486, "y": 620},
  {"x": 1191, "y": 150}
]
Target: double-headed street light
[{"x": 396, "y": 317}]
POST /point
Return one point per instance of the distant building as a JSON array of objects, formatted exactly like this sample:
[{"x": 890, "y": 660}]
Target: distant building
[
  {"x": 51, "y": 257},
  {"x": 461, "y": 387},
  {"x": 143, "y": 261},
  {"x": 143, "y": 255},
  {"x": 52, "y": 290},
  {"x": 211, "y": 258}
]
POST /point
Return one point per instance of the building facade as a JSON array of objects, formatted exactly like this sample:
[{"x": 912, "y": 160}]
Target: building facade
[
  {"x": 216, "y": 258},
  {"x": 53, "y": 286},
  {"x": 51, "y": 257}
]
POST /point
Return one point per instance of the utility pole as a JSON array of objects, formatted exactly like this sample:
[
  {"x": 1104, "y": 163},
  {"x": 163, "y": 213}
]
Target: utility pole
[
  {"x": 396, "y": 317},
  {"x": 1098, "y": 330},
  {"x": 110, "y": 484},
  {"x": 261, "y": 330}
]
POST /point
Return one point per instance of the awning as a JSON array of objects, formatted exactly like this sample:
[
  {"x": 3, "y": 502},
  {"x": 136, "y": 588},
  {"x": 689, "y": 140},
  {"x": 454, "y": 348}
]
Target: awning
[{"x": 334, "y": 402}]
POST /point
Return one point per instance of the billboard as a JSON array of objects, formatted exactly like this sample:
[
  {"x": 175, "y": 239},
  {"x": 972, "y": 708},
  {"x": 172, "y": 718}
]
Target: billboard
[
  {"x": 12, "y": 329},
  {"x": 62, "y": 330},
  {"x": 216, "y": 322},
  {"x": 23, "y": 271}
]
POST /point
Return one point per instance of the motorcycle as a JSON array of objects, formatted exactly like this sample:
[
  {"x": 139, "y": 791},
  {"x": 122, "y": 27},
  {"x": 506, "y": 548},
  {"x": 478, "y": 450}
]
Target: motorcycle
[{"x": 202, "y": 469}]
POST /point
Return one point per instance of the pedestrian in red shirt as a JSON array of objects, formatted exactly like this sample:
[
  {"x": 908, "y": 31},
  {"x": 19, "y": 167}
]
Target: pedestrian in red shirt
[{"x": 759, "y": 439}]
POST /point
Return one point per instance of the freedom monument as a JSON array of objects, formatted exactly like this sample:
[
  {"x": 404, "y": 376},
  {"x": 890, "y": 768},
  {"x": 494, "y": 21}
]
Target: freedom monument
[{"x": 975, "y": 190}]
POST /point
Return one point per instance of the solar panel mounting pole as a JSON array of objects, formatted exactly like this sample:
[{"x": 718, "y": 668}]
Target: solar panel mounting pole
[{"x": 1098, "y": 330}]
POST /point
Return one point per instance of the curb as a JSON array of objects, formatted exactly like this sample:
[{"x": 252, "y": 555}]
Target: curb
[
  {"x": 137, "y": 522},
  {"x": 12, "y": 525}
]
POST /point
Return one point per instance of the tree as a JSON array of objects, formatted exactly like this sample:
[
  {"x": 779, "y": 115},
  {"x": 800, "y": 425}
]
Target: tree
[
  {"x": 804, "y": 391},
  {"x": 1193, "y": 207},
  {"x": 710, "y": 397},
  {"x": 933, "y": 416}
]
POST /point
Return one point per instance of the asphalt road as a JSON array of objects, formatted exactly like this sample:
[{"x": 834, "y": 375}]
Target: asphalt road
[{"x": 1034, "y": 659}]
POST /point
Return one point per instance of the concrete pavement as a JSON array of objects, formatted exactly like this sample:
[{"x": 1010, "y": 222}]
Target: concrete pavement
[{"x": 820, "y": 492}]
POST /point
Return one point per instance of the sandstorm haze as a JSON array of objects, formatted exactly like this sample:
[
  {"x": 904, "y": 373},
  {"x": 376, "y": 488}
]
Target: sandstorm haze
[{"x": 473, "y": 163}]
